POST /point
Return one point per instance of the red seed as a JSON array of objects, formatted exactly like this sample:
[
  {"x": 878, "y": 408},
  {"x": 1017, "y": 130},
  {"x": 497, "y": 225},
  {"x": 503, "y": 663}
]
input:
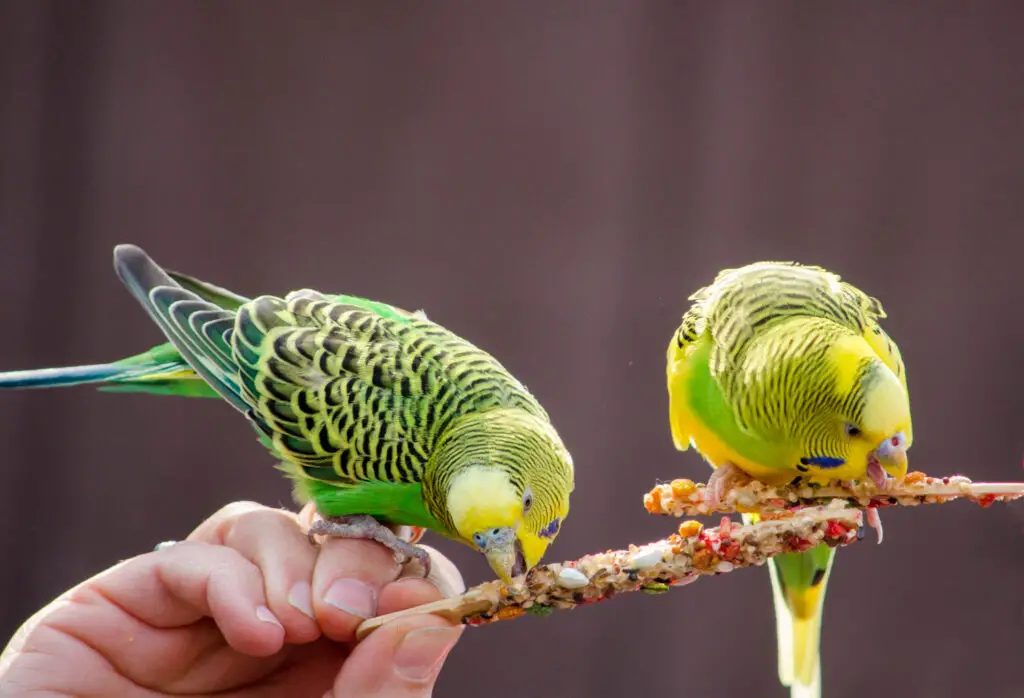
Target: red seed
[
  {"x": 797, "y": 543},
  {"x": 835, "y": 529},
  {"x": 730, "y": 551}
]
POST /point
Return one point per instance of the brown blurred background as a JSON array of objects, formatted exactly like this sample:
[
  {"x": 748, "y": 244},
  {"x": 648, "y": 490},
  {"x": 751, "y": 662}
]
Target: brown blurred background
[{"x": 552, "y": 183}]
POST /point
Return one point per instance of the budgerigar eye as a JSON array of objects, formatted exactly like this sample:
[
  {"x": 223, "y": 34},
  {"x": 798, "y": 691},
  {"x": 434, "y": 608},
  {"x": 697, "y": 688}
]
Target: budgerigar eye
[
  {"x": 852, "y": 429},
  {"x": 527, "y": 500}
]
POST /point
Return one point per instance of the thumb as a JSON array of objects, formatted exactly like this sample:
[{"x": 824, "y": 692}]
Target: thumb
[{"x": 400, "y": 659}]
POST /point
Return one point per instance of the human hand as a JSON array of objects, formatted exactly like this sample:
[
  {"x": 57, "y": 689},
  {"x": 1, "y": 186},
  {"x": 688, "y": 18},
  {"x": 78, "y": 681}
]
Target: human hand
[{"x": 245, "y": 607}]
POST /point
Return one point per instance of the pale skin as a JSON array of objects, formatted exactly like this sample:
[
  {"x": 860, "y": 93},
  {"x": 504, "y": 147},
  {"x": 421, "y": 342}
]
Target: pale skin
[{"x": 244, "y": 608}]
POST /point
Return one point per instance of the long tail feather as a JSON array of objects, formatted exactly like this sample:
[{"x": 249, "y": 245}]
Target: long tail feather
[
  {"x": 62, "y": 377},
  {"x": 799, "y": 581},
  {"x": 799, "y": 637},
  {"x": 142, "y": 373},
  {"x": 160, "y": 370},
  {"x": 183, "y": 383}
]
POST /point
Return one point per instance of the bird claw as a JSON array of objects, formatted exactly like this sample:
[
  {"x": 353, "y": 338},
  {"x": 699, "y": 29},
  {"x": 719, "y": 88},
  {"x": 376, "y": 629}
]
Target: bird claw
[
  {"x": 722, "y": 479},
  {"x": 874, "y": 520},
  {"x": 365, "y": 527}
]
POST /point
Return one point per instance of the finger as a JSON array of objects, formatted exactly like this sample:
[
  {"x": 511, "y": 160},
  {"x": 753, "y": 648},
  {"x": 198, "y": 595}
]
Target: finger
[
  {"x": 307, "y": 515},
  {"x": 347, "y": 582},
  {"x": 400, "y": 660},
  {"x": 40, "y": 658},
  {"x": 153, "y": 615},
  {"x": 180, "y": 585},
  {"x": 210, "y": 530},
  {"x": 274, "y": 541}
]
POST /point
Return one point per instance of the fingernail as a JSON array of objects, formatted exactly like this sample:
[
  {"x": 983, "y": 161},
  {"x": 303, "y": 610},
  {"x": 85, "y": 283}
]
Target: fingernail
[
  {"x": 420, "y": 653},
  {"x": 352, "y": 596},
  {"x": 301, "y": 597},
  {"x": 265, "y": 615}
]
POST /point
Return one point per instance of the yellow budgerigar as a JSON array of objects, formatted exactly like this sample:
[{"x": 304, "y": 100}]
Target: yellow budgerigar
[{"x": 782, "y": 371}]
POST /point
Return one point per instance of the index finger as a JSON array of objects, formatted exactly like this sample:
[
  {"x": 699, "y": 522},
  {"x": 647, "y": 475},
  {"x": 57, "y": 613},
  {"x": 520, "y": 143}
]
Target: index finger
[
  {"x": 180, "y": 585},
  {"x": 187, "y": 617}
]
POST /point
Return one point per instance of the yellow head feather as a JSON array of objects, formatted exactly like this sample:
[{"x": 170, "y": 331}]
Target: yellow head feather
[
  {"x": 504, "y": 478},
  {"x": 484, "y": 498},
  {"x": 878, "y": 402}
]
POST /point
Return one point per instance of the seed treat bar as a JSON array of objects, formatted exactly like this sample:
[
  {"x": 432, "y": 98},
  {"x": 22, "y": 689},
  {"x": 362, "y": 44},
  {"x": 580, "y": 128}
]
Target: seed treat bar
[
  {"x": 686, "y": 498},
  {"x": 653, "y": 568}
]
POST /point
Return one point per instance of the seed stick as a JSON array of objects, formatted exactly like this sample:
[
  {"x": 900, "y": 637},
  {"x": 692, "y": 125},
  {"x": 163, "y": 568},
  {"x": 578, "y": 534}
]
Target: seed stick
[
  {"x": 685, "y": 498},
  {"x": 679, "y": 559}
]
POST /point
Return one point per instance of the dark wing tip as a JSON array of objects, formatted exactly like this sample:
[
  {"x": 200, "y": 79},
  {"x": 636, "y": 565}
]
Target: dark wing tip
[
  {"x": 125, "y": 252},
  {"x": 137, "y": 270}
]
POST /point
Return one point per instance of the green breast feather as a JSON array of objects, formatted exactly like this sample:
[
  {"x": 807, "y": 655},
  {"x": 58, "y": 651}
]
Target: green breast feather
[{"x": 709, "y": 403}]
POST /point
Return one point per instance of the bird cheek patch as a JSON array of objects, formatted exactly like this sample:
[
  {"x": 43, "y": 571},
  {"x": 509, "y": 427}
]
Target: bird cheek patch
[
  {"x": 551, "y": 529},
  {"x": 822, "y": 462}
]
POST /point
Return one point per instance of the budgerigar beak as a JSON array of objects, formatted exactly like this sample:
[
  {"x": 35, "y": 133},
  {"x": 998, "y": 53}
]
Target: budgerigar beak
[
  {"x": 890, "y": 457},
  {"x": 507, "y": 559}
]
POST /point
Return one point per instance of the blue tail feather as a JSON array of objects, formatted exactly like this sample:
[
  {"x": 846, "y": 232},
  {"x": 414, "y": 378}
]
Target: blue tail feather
[
  {"x": 169, "y": 375},
  {"x": 61, "y": 377}
]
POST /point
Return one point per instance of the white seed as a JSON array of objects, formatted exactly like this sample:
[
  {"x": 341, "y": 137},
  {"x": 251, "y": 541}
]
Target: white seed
[
  {"x": 571, "y": 578},
  {"x": 724, "y": 566},
  {"x": 647, "y": 558}
]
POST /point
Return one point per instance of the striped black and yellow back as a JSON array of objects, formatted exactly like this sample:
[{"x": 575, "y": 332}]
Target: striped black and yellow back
[
  {"x": 343, "y": 391},
  {"x": 349, "y": 395},
  {"x": 742, "y": 303},
  {"x": 768, "y": 328}
]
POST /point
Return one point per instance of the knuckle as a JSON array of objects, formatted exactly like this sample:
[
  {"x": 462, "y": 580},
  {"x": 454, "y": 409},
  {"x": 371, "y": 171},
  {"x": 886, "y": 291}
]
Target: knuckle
[
  {"x": 239, "y": 523},
  {"x": 237, "y": 509}
]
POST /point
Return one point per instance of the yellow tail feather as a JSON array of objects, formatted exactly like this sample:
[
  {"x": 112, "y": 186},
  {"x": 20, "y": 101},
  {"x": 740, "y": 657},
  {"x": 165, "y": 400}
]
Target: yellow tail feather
[
  {"x": 798, "y": 632},
  {"x": 798, "y": 637}
]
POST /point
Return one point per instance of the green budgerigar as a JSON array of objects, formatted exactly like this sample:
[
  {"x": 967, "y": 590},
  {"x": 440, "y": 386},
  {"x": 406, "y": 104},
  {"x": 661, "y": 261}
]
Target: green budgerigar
[
  {"x": 781, "y": 371},
  {"x": 380, "y": 416}
]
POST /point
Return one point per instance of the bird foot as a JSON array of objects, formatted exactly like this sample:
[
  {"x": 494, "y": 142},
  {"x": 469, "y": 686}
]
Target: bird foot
[
  {"x": 721, "y": 481},
  {"x": 365, "y": 527}
]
